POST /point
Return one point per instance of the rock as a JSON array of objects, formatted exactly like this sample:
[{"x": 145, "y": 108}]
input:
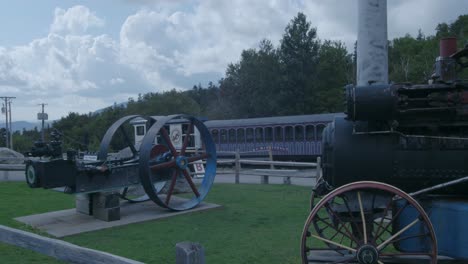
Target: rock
[{"x": 8, "y": 156}]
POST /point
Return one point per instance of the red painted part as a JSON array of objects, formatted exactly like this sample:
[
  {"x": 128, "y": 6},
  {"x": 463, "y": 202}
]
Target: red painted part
[
  {"x": 464, "y": 97},
  {"x": 448, "y": 46}
]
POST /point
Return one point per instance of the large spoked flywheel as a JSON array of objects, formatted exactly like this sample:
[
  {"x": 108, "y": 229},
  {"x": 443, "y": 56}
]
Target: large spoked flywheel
[
  {"x": 169, "y": 151},
  {"x": 368, "y": 223}
]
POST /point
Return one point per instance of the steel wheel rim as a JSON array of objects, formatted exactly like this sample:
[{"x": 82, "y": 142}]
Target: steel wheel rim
[
  {"x": 146, "y": 167},
  {"x": 422, "y": 218}
]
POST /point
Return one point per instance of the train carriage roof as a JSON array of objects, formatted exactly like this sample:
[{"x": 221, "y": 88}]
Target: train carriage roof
[{"x": 272, "y": 121}]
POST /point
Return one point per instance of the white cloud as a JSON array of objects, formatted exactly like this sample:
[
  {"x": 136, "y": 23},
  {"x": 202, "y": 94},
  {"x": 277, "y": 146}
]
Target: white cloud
[
  {"x": 173, "y": 44},
  {"x": 75, "y": 20}
]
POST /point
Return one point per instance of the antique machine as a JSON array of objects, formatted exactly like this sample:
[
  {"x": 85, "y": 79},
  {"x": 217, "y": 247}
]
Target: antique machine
[
  {"x": 160, "y": 161},
  {"x": 394, "y": 185}
]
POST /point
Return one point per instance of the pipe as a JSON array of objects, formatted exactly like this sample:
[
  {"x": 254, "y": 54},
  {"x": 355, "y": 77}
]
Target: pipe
[{"x": 372, "y": 44}]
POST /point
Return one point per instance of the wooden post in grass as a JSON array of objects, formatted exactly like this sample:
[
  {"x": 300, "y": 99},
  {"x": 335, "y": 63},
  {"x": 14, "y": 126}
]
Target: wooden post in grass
[
  {"x": 272, "y": 167},
  {"x": 319, "y": 168},
  {"x": 237, "y": 166},
  {"x": 190, "y": 253}
]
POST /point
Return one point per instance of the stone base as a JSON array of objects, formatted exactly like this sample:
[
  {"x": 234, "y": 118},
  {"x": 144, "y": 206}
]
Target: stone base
[{"x": 104, "y": 206}]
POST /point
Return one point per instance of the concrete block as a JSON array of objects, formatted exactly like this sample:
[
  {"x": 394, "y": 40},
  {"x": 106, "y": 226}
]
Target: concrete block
[
  {"x": 107, "y": 214},
  {"x": 106, "y": 200},
  {"x": 190, "y": 253},
  {"x": 84, "y": 204}
]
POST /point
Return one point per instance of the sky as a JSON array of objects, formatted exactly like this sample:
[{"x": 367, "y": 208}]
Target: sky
[{"x": 81, "y": 56}]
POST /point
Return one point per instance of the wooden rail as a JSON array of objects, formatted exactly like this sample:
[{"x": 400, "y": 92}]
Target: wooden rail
[
  {"x": 59, "y": 249},
  {"x": 287, "y": 174}
]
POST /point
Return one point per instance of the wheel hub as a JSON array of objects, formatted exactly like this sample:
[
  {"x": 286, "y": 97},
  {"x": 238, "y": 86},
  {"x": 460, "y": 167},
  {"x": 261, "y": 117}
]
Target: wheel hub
[
  {"x": 182, "y": 162},
  {"x": 367, "y": 254}
]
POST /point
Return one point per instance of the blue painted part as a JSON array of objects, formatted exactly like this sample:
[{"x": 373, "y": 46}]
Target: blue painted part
[{"x": 449, "y": 218}]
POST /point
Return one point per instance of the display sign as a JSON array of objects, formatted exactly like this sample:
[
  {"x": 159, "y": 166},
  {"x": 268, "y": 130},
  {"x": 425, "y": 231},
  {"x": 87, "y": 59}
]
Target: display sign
[{"x": 42, "y": 116}]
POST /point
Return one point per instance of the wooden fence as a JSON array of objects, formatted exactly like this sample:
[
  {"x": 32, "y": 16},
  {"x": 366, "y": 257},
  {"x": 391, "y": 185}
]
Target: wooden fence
[
  {"x": 298, "y": 169},
  {"x": 59, "y": 249}
]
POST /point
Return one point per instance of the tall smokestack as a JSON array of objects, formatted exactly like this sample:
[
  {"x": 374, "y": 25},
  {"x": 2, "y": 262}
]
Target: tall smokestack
[{"x": 372, "y": 44}]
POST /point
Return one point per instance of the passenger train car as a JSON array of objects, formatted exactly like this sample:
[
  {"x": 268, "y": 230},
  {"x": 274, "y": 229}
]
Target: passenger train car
[
  {"x": 289, "y": 137},
  {"x": 295, "y": 138}
]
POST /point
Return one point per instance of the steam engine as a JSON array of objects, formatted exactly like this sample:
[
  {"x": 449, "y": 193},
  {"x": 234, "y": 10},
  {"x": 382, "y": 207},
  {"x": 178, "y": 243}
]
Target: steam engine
[{"x": 409, "y": 136}]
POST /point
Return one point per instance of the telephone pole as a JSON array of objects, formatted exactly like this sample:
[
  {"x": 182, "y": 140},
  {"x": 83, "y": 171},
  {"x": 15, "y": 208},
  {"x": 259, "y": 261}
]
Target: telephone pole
[
  {"x": 42, "y": 116},
  {"x": 6, "y": 109}
]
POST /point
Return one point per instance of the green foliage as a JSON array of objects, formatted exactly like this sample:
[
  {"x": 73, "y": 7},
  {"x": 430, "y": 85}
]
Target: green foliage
[
  {"x": 299, "y": 56},
  {"x": 252, "y": 86}
]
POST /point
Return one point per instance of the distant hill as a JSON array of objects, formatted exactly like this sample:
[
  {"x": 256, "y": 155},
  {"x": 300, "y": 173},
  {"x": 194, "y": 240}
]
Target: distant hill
[{"x": 19, "y": 125}]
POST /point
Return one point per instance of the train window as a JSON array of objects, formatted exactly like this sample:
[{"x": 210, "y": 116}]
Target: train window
[
  {"x": 223, "y": 135},
  {"x": 232, "y": 135},
  {"x": 215, "y": 135},
  {"x": 249, "y": 134},
  {"x": 140, "y": 130},
  {"x": 319, "y": 131},
  {"x": 310, "y": 133},
  {"x": 240, "y": 135},
  {"x": 288, "y": 133},
  {"x": 299, "y": 133},
  {"x": 259, "y": 134},
  {"x": 278, "y": 134},
  {"x": 268, "y": 134}
]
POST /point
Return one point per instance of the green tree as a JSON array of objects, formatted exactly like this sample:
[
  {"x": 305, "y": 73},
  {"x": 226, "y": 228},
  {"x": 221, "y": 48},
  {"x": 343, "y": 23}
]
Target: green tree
[
  {"x": 334, "y": 70},
  {"x": 299, "y": 54},
  {"x": 252, "y": 86}
]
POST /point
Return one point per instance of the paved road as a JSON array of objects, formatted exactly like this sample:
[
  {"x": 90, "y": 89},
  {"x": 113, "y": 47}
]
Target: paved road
[{"x": 220, "y": 178}]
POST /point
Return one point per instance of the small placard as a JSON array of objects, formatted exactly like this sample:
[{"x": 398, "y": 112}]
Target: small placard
[
  {"x": 199, "y": 169},
  {"x": 90, "y": 157}
]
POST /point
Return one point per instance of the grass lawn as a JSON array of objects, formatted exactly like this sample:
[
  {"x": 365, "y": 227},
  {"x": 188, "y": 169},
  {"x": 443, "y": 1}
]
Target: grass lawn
[{"x": 257, "y": 224}]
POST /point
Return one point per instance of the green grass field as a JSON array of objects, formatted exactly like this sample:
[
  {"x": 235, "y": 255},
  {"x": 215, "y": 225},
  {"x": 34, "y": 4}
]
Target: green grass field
[{"x": 257, "y": 224}]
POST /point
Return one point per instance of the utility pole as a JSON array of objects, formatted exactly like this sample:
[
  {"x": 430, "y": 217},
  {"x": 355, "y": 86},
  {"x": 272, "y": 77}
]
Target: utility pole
[
  {"x": 6, "y": 109},
  {"x": 11, "y": 127},
  {"x": 42, "y": 116}
]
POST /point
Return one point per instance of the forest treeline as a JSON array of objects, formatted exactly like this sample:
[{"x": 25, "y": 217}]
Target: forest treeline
[{"x": 299, "y": 75}]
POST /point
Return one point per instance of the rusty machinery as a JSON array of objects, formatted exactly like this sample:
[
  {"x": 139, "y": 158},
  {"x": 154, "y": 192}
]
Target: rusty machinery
[
  {"x": 394, "y": 173},
  {"x": 157, "y": 165}
]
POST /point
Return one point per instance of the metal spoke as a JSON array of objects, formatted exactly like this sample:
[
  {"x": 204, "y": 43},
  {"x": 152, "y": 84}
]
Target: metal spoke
[
  {"x": 405, "y": 238},
  {"x": 128, "y": 141},
  {"x": 163, "y": 165},
  {"x": 397, "y": 234},
  {"x": 382, "y": 219},
  {"x": 171, "y": 187},
  {"x": 393, "y": 218},
  {"x": 186, "y": 140},
  {"x": 346, "y": 228},
  {"x": 363, "y": 218},
  {"x": 168, "y": 141},
  {"x": 333, "y": 243},
  {"x": 351, "y": 216},
  {"x": 339, "y": 230},
  {"x": 190, "y": 182}
]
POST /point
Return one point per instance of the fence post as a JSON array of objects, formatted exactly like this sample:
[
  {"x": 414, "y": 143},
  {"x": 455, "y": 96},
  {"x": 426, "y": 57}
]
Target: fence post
[
  {"x": 265, "y": 178},
  {"x": 319, "y": 168},
  {"x": 237, "y": 165},
  {"x": 190, "y": 253}
]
